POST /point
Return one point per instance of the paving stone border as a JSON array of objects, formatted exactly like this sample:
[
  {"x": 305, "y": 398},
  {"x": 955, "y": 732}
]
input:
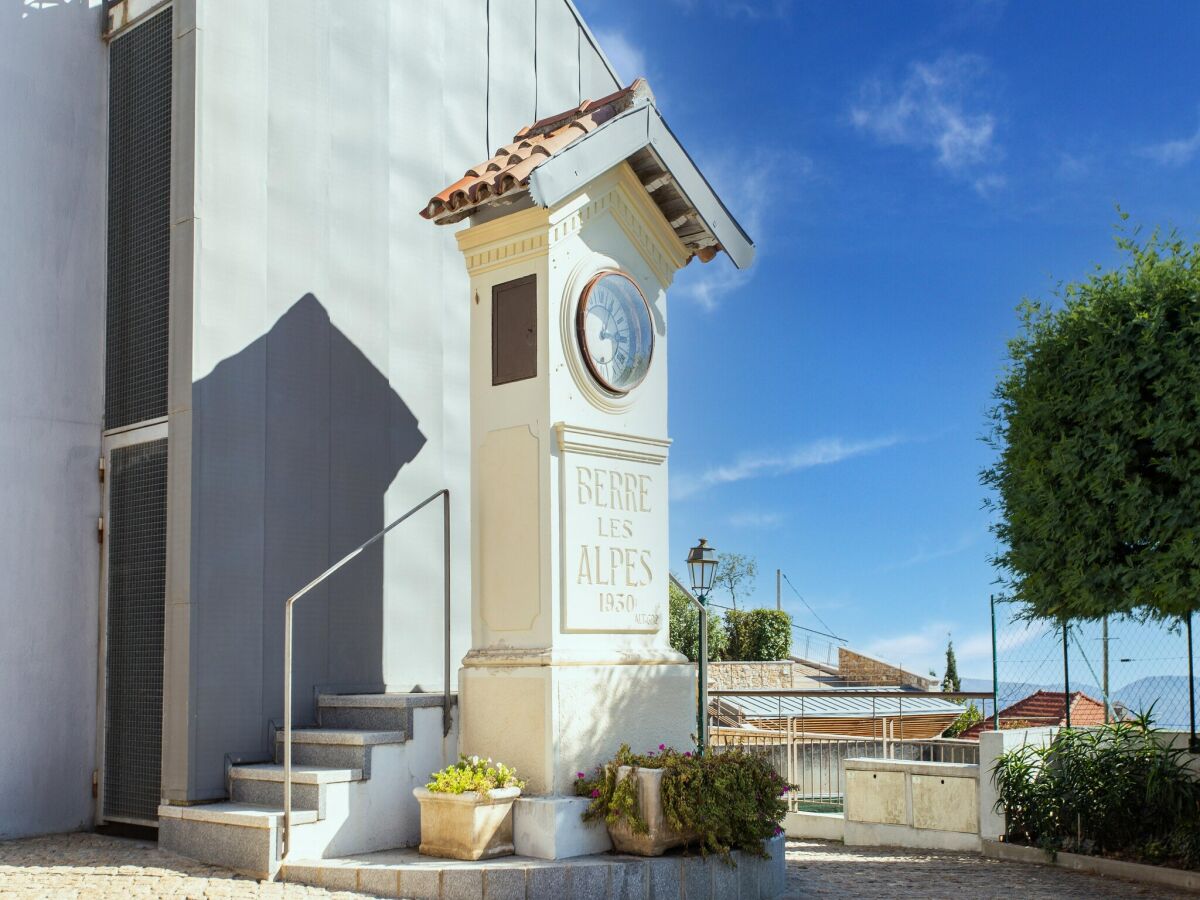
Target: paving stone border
[
  {"x": 406, "y": 874},
  {"x": 1180, "y": 879}
]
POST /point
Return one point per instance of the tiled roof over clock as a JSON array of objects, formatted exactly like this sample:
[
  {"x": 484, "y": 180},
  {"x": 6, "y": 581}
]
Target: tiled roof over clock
[{"x": 596, "y": 135}]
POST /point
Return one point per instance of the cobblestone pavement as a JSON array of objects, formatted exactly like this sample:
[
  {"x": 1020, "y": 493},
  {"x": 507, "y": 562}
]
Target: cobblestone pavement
[
  {"x": 819, "y": 869},
  {"x": 97, "y": 866}
]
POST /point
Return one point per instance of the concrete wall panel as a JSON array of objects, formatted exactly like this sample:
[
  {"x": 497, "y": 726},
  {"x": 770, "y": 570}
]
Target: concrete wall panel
[
  {"x": 52, "y": 208},
  {"x": 557, "y": 71},
  {"x": 463, "y": 125},
  {"x": 512, "y": 79},
  {"x": 330, "y": 337},
  {"x": 595, "y": 79}
]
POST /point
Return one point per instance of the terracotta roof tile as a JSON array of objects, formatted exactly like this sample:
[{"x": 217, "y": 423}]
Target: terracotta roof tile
[
  {"x": 509, "y": 168},
  {"x": 1045, "y": 708}
]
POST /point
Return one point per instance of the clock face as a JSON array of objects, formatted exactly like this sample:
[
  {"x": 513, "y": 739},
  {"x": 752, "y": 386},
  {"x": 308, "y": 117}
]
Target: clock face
[{"x": 615, "y": 331}]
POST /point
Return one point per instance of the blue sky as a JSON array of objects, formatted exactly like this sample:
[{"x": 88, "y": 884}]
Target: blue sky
[{"x": 909, "y": 171}]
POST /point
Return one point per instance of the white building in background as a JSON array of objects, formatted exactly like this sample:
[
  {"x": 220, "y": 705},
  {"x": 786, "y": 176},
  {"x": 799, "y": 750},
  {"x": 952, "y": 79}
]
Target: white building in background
[{"x": 235, "y": 351}]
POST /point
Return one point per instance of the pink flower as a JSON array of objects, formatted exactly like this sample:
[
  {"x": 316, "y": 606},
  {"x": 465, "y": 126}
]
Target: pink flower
[
  {"x": 595, "y": 793},
  {"x": 580, "y": 775},
  {"x": 662, "y": 746},
  {"x": 687, "y": 754}
]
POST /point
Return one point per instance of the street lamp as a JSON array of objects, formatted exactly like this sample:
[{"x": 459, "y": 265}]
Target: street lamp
[{"x": 702, "y": 566}]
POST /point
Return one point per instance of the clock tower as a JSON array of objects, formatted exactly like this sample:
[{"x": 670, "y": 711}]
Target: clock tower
[{"x": 577, "y": 230}]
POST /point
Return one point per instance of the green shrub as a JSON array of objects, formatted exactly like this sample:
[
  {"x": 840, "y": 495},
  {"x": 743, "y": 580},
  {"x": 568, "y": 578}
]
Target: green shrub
[
  {"x": 968, "y": 717},
  {"x": 758, "y": 634},
  {"x": 731, "y": 800},
  {"x": 1116, "y": 790},
  {"x": 684, "y": 627},
  {"x": 473, "y": 774}
]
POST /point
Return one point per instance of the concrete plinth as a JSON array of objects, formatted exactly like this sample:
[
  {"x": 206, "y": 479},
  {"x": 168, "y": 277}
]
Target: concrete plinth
[
  {"x": 553, "y": 828},
  {"x": 554, "y": 721}
]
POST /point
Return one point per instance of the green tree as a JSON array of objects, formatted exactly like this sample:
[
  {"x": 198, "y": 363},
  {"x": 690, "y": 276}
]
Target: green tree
[
  {"x": 1095, "y": 427},
  {"x": 736, "y": 573},
  {"x": 951, "y": 681},
  {"x": 758, "y": 634},
  {"x": 684, "y": 624}
]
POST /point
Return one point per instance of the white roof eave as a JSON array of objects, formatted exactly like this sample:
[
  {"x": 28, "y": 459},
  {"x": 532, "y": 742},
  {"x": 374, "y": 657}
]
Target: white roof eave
[{"x": 617, "y": 140}]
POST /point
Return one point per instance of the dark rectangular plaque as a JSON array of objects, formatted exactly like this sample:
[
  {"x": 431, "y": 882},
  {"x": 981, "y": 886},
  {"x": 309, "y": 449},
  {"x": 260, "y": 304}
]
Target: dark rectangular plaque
[{"x": 514, "y": 330}]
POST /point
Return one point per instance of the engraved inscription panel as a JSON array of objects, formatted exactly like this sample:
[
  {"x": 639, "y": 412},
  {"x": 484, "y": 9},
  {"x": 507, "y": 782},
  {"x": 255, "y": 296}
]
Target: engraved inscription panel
[{"x": 614, "y": 543}]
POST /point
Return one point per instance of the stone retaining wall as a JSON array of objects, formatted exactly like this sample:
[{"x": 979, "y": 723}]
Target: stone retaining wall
[{"x": 765, "y": 675}]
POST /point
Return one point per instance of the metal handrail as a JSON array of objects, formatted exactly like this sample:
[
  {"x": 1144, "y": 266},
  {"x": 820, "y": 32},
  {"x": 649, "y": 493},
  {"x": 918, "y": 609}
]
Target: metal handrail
[{"x": 444, "y": 493}]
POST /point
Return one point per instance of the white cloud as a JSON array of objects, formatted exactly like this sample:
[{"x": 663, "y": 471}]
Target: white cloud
[
  {"x": 937, "y": 106},
  {"x": 733, "y": 9},
  {"x": 755, "y": 519},
  {"x": 1174, "y": 153},
  {"x": 924, "y": 648},
  {"x": 925, "y": 555},
  {"x": 764, "y": 465},
  {"x": 748, "y": 183},
  {"x": 626, "y": 57},
  {"x": 1072, "y": 168}
]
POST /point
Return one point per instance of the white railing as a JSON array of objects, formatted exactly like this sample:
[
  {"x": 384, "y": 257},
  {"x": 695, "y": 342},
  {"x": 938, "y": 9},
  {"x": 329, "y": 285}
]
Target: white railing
[
  {"x": 814, "y": 764},
  {"x": 444, "y": 493}
]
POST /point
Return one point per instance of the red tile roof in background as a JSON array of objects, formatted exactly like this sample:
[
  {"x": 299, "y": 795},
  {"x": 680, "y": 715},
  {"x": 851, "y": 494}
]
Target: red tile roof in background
[
  {"x": 1045, "y": 708},
  {"x": 509, "y": 168}
]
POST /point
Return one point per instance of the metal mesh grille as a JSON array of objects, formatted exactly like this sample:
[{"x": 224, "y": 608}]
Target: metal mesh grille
[
  {"x": 137, "y": 561},
  {"x": 139, "y": 200}
]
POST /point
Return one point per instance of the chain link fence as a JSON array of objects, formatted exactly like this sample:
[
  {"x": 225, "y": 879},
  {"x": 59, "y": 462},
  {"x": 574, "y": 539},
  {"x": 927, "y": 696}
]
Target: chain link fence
[{"x": 1105, "y": 671}]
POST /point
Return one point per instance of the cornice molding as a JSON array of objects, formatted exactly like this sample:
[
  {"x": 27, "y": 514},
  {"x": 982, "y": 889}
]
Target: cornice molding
[
  {"x": 622, "y": 195},
  {"x": 504, "y": 241},
  {"x": 611, "y": 444}
]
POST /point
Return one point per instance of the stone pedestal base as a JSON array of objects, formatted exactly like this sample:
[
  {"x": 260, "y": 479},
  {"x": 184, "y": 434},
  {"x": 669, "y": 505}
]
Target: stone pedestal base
[
  {"x": 553, "y": 720},
  {"x": 553, "y": 828}
]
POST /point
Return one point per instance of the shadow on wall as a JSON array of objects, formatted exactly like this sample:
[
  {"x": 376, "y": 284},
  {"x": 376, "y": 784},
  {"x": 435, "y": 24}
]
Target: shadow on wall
[{"x": 296, "y": 439}]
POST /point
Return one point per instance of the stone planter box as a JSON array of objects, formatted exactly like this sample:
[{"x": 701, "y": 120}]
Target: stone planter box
[
  {"x": 471, "y": 825},
  {"x": 661, "y": 837}
]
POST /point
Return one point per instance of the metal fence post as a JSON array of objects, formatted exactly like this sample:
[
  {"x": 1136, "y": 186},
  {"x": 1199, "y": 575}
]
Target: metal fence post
[
  {"x": 1066, "y": 678},
  {"x": 995, "y": 672},
  {"x": 1193, "y": 744},
  {"x": 1104, "y": 687},
  {"x": 702, "y": 688}
]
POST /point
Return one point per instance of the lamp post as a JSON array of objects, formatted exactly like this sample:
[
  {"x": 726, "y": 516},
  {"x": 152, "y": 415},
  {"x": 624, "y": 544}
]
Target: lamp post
[{"x": 702, "y": 566}]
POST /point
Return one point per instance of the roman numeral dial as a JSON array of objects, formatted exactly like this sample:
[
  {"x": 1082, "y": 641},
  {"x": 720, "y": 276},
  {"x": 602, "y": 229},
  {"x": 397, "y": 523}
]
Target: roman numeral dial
[{"x": 616, "y": 333}]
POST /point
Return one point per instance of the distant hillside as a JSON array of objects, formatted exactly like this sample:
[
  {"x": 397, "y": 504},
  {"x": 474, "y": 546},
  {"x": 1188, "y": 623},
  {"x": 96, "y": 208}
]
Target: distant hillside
[{"x": 1168, "y": 694}]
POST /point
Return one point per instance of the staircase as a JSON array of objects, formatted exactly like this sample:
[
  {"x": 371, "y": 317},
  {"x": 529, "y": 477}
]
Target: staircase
[{"x": 352, "y": 781}]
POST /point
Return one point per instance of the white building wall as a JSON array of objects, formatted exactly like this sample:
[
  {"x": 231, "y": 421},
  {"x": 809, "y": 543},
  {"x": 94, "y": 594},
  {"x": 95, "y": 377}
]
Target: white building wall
[
  {"x": 329, "y": 345},
  {"x": 52, "y": 243}
]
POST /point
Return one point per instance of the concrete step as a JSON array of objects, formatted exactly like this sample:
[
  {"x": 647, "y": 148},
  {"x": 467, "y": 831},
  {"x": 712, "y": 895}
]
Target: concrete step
[
  {"x": 351, "y": 792},
  {"x": 263, "y": 785},
  {"x": 240, "y": 836},
  {"x": 379, "y": 711},
  {"x": 340, "y": 748}
]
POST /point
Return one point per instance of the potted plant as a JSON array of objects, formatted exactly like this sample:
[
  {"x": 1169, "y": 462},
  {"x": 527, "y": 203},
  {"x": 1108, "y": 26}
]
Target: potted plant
[
  {"x": 466, "y": 810},
  {"x": 717, "y": 802}
]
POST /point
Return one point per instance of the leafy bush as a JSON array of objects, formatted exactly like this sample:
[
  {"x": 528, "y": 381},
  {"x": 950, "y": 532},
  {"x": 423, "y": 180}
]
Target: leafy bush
[
  {"x": 1115, "y": 790},
  {"x": 968, "y": 717},
  {"x": 758, "y": 634},
  {"x": 684, "y": 630},
  {"x": 473, "y": 774},
  {"x": 730, "y": 800}
]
